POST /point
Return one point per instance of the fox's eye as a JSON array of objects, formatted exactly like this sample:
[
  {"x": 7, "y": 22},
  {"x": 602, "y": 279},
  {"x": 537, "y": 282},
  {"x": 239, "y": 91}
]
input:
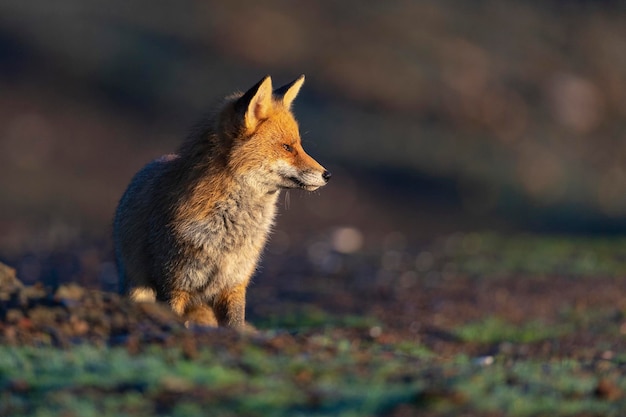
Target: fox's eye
[{"x": 288, "y": 148}]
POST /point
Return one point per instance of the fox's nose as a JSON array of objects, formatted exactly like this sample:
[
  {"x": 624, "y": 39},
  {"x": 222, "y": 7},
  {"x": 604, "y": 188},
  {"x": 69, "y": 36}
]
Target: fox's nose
[{"x": 326, "y": 175}]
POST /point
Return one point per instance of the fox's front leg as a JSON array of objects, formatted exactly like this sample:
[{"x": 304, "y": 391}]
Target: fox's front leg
[
  {"x": 230, "y": 307},
  {"x": 180, "y": 302}
]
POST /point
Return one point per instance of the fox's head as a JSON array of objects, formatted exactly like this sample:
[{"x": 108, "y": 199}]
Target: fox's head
[{"x": 266, "y": 147}]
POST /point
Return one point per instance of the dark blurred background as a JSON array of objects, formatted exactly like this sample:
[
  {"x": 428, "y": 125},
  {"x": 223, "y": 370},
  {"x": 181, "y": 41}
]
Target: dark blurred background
[{"x": 435, "y": 116}]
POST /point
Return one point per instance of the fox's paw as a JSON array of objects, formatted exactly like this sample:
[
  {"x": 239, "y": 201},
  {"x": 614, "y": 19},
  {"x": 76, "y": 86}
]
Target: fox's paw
[{"x": 201, "y": 315}]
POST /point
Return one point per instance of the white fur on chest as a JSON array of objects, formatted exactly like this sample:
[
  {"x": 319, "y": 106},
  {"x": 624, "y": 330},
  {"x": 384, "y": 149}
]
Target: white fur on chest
[{"x": 227, "y": 243}]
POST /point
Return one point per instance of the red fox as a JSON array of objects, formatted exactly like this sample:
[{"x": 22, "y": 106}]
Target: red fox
[{"x": 190, "y": 228}]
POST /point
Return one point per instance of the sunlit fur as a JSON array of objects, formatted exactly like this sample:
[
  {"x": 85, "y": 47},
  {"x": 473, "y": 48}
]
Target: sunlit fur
[{"x": 190, "y": 228}]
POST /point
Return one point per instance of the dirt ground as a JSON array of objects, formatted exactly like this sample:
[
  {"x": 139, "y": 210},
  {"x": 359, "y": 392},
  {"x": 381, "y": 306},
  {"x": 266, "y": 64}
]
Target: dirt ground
[{"x": 408, "y": 305}]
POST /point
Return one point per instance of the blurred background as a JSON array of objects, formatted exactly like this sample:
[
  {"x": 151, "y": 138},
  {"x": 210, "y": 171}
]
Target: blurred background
[{"x": 434, "y": 116}]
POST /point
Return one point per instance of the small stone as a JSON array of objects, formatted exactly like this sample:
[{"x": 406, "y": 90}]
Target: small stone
[
  {"x": 79, "y": 326},
  {"x": 175, "y": 384},
  {"x": 14, "y": 315},
  {"x": 190, "y": 348},
  {"x": 486, "y": 360},
  {"x": 375, "y": 332},
  {"x": 608, "y": 390},
  {"x": 8, "y": 282},
  {"x": 19, "y": 386},
  {"x": 69, "y": 293},
  {"x": 133, "y": 345},
  {"x": 33, "y": 292}
]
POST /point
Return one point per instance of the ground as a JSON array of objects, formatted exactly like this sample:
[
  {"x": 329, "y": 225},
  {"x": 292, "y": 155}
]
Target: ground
[{"x": 466, "y": 324}]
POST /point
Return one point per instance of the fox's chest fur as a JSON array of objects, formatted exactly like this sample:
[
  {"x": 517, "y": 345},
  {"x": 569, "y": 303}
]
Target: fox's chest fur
[{"x": 221, "y": 248}]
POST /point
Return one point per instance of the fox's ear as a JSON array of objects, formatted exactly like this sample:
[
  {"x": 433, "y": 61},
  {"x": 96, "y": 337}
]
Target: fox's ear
[
  {"x": 255, "y": 105},
  {"x": 290, "y": 91}
]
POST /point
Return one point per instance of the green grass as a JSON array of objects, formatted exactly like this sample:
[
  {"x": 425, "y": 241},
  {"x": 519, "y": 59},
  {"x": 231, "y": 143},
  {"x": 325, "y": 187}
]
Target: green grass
[
  {"x": 537, "y": 388},
  {"x": 306, "y": 317},
  {"x": 323, "y": 378},
  {"x": 333, "y": 379},
  {"x": 482, "y": 254},
  {"x": 496, "y": 330}
]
